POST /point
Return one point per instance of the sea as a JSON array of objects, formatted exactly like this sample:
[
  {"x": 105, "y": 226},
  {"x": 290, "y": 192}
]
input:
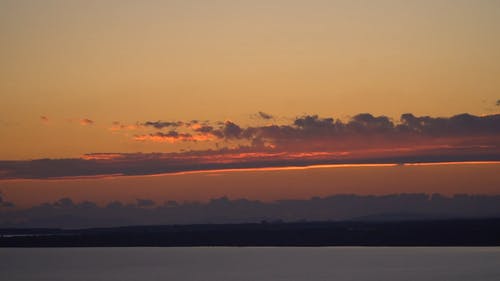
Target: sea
[{"x": 251, "y": 263}]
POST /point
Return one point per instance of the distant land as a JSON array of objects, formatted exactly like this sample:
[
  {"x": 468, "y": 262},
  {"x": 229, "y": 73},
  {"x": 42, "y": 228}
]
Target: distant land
[{"x": 456, "y": 232}]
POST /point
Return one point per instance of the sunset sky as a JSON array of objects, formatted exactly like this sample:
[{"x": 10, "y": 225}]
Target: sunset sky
[{"x": 121, "y": 91}]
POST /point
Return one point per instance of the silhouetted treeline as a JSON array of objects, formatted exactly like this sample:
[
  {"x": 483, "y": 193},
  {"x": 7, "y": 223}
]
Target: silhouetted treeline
[{"x": 479, "y": 232}]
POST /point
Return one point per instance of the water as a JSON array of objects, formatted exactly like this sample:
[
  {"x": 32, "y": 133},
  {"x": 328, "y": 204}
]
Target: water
[{"x": 251, "y": 263}]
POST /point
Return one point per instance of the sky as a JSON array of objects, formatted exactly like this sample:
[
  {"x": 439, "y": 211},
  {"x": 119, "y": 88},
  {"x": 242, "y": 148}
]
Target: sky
[{"x": 134, "y": 89}]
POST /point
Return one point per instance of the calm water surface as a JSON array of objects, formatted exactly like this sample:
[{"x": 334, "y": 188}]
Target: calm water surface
[{"x": 252, "y": 263}]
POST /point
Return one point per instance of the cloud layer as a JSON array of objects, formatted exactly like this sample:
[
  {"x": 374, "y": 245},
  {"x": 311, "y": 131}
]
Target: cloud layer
[
  {"x": 69, "y": 214},
  {"x": 308, "y": 140},
  {"x": 326, "y": 134}
]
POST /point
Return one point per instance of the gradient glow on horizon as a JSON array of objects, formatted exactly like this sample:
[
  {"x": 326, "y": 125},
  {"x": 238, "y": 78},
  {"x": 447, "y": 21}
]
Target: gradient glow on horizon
[
  {"x": 71, "y": 68},
  {"x": 267, "y": 184}
]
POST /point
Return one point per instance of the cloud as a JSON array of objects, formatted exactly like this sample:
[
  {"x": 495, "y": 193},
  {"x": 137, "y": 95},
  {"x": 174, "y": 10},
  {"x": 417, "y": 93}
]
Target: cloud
[
  {"x": 86, "y": 122},
  {"x": 205, "y": 129},
  {"x": 264, "y": 115},
  {"x": 64, "y": 203},
  {"x": 118, "y": 126},
  {"x": 162, "y": 124},
  {"x": 65, "y": 213},
  {"x": 144, "y": 203},
  {"x": 231, "y": 130},
  {"x": 5, "y": 204},
  {"x": 308, "y": 140},
  {"x": 173, "y": 137},
  {"x": 226, "y": 130},
  {"x": 200, "y": 132},
  {"x": 365, "y": 131}
]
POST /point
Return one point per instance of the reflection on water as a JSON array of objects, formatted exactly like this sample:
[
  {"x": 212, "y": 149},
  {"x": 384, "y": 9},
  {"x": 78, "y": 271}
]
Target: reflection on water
[{"x": 251, "y": 263}]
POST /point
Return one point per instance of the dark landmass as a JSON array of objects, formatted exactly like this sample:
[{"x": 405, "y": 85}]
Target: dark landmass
[{"x": 457, "y": 232}]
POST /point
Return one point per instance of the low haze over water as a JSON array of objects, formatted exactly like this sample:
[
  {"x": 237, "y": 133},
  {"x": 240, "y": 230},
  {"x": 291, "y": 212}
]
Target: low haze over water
[{"x": 251, "y": 263}]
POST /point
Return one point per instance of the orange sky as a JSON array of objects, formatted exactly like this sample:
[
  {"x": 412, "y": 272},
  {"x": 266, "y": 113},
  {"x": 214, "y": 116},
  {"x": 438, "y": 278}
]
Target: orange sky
[
  {"x": 150, "y": 87},
  {"x": 131, "y": 61}
]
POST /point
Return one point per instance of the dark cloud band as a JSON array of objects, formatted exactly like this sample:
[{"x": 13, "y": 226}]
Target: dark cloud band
[{"x": 309, "y": 140}]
